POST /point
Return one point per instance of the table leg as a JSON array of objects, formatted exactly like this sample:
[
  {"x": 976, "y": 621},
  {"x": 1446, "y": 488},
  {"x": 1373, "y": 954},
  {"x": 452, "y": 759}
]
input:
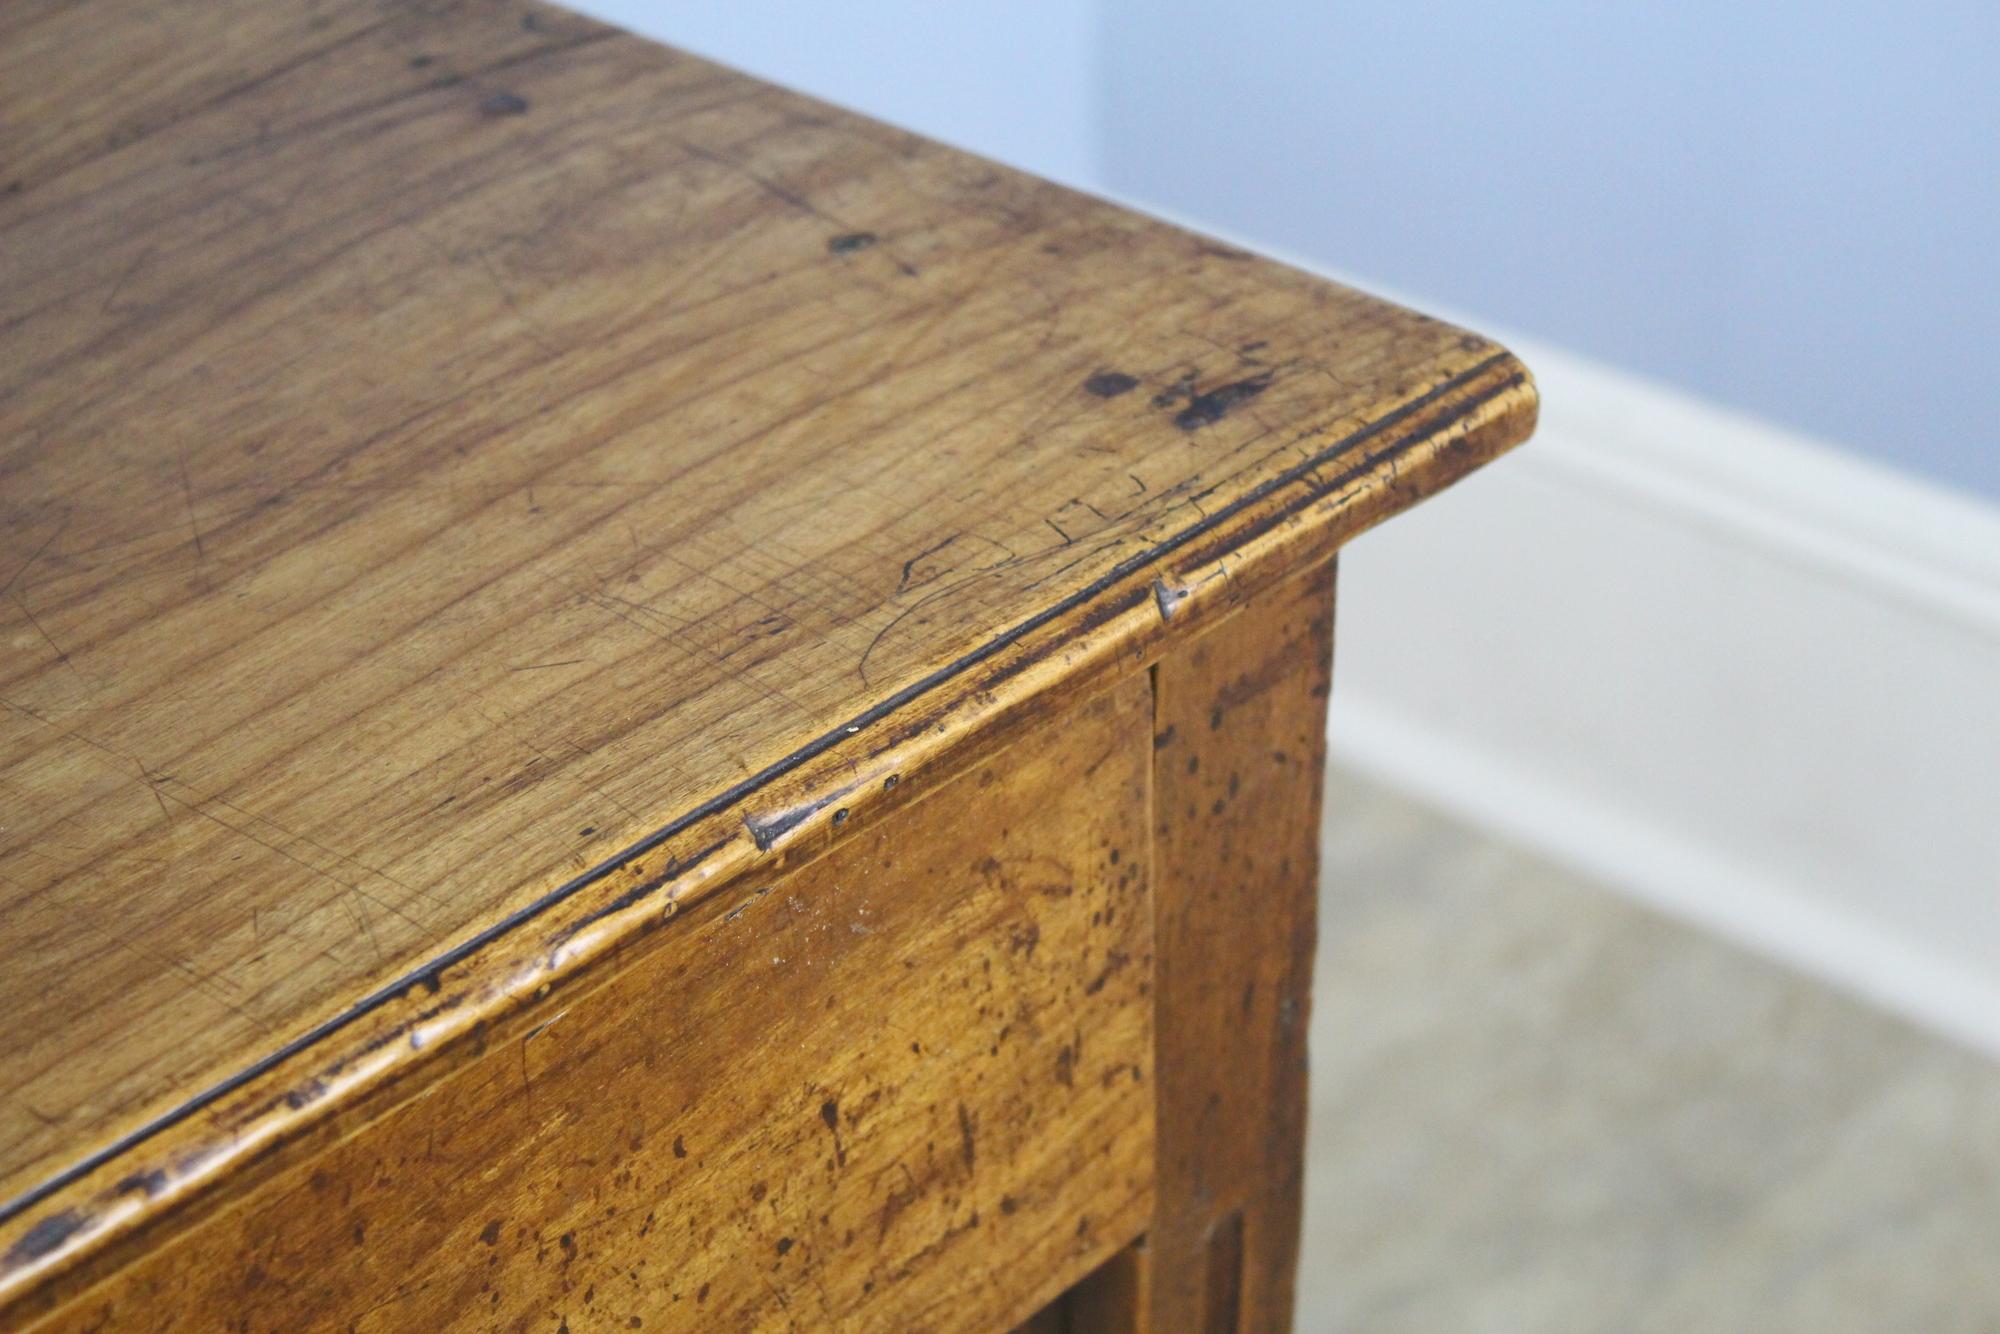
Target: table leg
[{"x": 1239, "y": 745}]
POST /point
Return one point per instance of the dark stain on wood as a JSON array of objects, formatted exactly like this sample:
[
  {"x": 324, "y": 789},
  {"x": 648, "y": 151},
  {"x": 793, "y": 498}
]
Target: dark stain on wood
[
  {"x": 1110, "y": 384},
  {"x": 46, "y": 1236},
  {"x": 503, "y": 104},
  {"x": 1211, "y": 407},
  {"x": 829, "y": 1112},
  {"x": 145, "y": 1183}
]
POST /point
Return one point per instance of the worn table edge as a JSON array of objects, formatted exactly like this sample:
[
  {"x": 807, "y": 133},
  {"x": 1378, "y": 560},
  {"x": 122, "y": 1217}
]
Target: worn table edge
[{"x": 118, "y": 1199}]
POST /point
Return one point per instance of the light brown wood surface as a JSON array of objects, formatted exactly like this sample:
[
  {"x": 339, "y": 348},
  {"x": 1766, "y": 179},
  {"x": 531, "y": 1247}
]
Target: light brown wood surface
[
  {"x": 968, "y": 981},
  {"x": 1239, "y": 736},
  {"x": 474, "y": 485}
]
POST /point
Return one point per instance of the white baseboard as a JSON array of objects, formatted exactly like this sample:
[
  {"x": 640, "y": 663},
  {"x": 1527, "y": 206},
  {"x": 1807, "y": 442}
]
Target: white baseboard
[
  {"x": 1676, "y": 874},
  {"x": 1739, "y": 675}
]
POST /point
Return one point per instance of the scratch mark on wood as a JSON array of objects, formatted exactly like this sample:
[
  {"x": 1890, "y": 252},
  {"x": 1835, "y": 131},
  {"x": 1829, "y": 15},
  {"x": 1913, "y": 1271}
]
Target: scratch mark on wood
[
  {"x": 911, "y": 563},
  {"x": 673, "y": 870},
  {"x": 153, "y": 786},
  {"x": 187, "y": 497},
  {"x": 47, "y": 638},
  {"x": 746, "y": 905},
  {"x": 36, "y": 555}
]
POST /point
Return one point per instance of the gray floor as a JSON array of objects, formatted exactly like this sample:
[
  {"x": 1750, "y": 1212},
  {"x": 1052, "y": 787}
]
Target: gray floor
[{"x": 1538, "y": 1107}]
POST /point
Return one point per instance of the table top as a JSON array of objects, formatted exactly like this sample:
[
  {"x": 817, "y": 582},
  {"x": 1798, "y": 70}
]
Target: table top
[{"x": 471, "y": 479}]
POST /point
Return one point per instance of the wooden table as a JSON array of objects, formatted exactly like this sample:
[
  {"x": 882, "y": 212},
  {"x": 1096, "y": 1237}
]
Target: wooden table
[{"x": 631, "y": 701}]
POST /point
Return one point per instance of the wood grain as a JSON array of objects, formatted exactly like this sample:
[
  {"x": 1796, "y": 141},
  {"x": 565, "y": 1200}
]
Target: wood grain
[
  {"x": 474, "y": 484},
  {"x": 1240, "y": 741},
  {"x": 905, "y": 1087}
]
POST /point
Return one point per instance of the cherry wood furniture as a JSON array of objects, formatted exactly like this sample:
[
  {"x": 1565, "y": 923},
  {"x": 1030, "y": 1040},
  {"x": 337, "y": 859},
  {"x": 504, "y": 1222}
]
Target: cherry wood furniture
[{"x": 630, "y": 701}]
